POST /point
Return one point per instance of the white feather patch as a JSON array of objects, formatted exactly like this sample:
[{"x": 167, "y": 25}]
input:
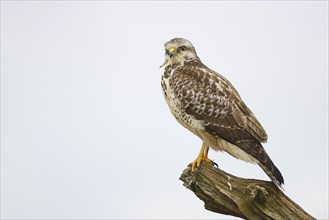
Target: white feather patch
[{"x": 235, "y": 151}]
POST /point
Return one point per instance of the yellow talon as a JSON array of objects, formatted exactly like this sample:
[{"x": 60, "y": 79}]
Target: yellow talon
[
  {"x": 203, "y": 155},
  {"x": 197, "y": 162}
]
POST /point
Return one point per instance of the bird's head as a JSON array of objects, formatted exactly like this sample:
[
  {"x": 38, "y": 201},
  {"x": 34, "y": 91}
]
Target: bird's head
[{"x": 177, "y": 51}]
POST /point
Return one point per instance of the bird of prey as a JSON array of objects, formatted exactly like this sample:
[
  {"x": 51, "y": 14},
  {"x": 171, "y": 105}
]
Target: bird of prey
[{"x": 208, "y": 105}]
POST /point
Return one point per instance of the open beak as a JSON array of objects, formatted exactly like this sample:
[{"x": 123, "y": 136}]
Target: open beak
[{"x": 171, "y": 52}]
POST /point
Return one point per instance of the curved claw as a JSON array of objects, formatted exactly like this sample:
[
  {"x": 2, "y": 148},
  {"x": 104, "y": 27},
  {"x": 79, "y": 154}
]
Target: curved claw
[
  {"x": 214, "y": 164},
  {"x": 198, "y": 160}
]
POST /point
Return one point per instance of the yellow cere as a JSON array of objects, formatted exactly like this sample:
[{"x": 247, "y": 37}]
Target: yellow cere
[{"x": 171, "y": 49}]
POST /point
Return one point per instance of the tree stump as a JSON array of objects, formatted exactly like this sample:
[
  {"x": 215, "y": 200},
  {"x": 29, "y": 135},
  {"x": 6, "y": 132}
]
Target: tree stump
[{"x": 245, "y": 198}]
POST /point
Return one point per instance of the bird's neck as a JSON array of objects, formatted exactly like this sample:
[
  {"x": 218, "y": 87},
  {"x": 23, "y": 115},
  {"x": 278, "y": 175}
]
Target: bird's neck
[
  {"x": 170, "y": 68},
  {"x": 179, "y": 62}
]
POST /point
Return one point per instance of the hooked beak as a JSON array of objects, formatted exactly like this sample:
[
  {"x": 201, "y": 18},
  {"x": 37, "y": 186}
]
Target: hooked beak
[{"x": 171, "y": 52}]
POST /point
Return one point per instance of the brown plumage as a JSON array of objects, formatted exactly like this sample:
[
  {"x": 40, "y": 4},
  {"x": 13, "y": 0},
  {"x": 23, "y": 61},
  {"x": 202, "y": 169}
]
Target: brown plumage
[{"x": 208, "y": 105}]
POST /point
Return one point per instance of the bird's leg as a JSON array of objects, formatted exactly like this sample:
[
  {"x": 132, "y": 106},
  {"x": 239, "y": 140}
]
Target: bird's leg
[
  {"x": 206, "y": 149},
  {"x": 203, "y": 155}
]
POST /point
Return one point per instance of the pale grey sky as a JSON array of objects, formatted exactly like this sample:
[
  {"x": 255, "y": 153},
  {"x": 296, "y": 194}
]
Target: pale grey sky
[{"x": 86, "y": 133}]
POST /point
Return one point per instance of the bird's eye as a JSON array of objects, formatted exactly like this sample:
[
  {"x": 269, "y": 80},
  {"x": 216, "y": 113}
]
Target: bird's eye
[
  {"x": 167, "y": 51},
  {"x": 182, "y": 48}
]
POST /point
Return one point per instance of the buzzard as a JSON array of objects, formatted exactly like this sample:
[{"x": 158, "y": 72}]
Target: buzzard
[{"x": 208, "y": 105}]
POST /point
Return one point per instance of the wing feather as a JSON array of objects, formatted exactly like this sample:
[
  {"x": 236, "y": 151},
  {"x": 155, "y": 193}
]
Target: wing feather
[{"x": 210, "y": 97}]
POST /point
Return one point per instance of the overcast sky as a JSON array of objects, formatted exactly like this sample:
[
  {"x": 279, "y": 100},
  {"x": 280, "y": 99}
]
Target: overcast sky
[{"x": 86, "y": 132}]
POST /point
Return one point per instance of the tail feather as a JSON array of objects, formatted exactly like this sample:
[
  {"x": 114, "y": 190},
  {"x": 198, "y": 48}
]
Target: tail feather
[
  {"x": 255, "y": 149},
  {"x": 250, "y": 146},
  {"x": 273, "y": 173}
]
